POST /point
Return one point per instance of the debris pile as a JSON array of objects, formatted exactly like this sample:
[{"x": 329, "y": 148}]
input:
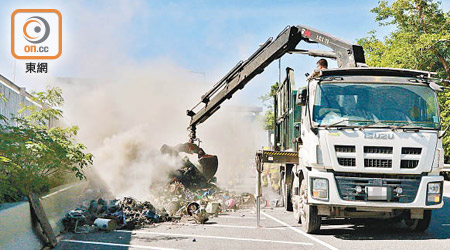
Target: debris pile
[
  {"x": 137, "y": 214},
  {"x": 191, "y": 193},
  {"x": 173, "y": 203}
]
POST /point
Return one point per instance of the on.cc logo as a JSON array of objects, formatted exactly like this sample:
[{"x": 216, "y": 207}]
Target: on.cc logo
[
  {"x": 39, "y": 26},
  {"x": 36, "y": 34}
]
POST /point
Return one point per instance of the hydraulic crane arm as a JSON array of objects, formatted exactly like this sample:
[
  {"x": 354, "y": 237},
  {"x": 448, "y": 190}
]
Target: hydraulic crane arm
[{"x": 347, "y": 56}]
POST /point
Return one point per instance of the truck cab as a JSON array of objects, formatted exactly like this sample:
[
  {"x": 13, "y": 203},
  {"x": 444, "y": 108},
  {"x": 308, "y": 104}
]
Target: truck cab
[{"x": 369, "y": 147}]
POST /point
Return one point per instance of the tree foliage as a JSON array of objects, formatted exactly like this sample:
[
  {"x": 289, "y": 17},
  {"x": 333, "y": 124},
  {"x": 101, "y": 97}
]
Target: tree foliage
[
  {"x": 420, "y": 40},
  {"x": 31, "y": 151},
  {"x": 268, "y": 102}
]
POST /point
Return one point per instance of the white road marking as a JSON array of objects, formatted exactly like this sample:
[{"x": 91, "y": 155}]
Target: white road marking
[
  {"x": 118, "y": 245},
  {"x": 217, "y": 237},
  {"x": 239, "y": 217},
  {"x": 61, "y": 190},
  {"x": 300, "y": 232},
  {"x": 338, "y": 226},
  {"x": 249, "y": 227},
  {"x": 447, "y": 194},
  {"x": 446, "y": 225}
]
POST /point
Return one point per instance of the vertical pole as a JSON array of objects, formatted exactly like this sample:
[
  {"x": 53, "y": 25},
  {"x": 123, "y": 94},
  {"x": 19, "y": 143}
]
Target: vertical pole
[{"x": 259, "y": 166}]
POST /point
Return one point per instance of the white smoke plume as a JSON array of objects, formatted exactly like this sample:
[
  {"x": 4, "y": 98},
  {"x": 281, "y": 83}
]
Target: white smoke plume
[
  {"x": 127, "y": 108},
  {"x": 125, "y": 118}
]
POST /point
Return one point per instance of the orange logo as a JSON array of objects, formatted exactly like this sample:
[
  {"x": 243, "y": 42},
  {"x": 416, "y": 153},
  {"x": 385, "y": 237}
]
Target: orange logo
[{"x": 36, "y": 34}]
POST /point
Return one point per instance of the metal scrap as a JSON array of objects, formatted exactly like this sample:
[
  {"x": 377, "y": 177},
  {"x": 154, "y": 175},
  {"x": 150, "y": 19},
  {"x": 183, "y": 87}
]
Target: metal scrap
[{"x": 172, "y": 203}]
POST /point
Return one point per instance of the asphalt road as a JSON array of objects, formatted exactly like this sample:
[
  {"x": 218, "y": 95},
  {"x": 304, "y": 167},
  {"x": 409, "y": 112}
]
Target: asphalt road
[{"x": 279, "y": 231}]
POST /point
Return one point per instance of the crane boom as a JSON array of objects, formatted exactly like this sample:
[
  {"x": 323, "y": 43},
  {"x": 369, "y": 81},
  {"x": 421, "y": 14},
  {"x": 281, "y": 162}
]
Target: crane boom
[{"x": 347, "y": 56}]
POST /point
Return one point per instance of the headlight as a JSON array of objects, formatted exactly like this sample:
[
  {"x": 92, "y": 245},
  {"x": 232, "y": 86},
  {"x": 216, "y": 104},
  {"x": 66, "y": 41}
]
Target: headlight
[
  {"x": 319, "y": 158},
  {"x": 434, "y": 188},
  {"x": 434, "y": 194},
  {"x": 319, "y": 188}
]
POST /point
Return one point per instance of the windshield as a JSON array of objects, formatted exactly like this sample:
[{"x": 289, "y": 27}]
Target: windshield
[{"x": 357, "y": 104}]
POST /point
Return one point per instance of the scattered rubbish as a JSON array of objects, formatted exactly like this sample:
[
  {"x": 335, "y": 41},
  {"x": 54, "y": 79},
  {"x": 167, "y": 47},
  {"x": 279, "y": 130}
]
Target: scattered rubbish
[
  {"x": 105, "y": 224},
  {"x": 174, "y": 202},
  {"x": 152, "y": 215},
  {"x": 230, "y": 203},
  {"x": 85, "y": 229},
  {"x": 247, "y": 200},
  {"x": 201, "y": 216},
  {"x": 172, "y": 207},
  {"x": 192, "y": 207},
  {"x": 190, "y": 193},
  {"x": 74, "y": 219},
  {"x": 212, "y": 208}
]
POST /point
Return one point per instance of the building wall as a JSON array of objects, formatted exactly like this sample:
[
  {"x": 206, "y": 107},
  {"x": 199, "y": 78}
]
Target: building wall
[{"x": 15, "y": 97}]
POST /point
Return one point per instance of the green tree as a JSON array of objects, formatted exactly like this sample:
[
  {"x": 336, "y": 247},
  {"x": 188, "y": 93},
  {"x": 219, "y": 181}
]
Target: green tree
[
  {"x": 32, "y": 152},
  {"x": 420, "y": 40},
  {"x": 267, "y": 100}
]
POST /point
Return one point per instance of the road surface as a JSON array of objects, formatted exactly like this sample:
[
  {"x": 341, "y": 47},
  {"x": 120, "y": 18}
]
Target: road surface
[{"x": 279, "y": 231}]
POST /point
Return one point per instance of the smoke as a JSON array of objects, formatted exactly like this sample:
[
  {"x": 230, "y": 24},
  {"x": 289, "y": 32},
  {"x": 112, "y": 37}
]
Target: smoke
[
  {"x": 234, "y": 134},
  {"x": 125, "y": 118},
  {"x": 129, "y": 164},
  {"x": 127, "y": 108}
]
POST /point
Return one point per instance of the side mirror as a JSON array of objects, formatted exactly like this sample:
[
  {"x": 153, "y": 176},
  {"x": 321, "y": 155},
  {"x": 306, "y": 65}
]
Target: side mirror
[
  {"x": 434, "y": 86},
  {"x": 297, "y": 134},
  {"x": 301, "y": 97}
]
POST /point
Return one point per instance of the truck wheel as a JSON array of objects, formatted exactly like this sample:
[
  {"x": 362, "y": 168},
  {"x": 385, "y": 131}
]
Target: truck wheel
[
  {"x": 419, "y": 225},
  {"x": 287, "y": 202},
  {"x": 309, "y": 216}
]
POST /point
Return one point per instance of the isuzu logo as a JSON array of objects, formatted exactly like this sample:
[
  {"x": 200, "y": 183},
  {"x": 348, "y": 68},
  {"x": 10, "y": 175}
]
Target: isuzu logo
[{"x": 381, "y": 136}]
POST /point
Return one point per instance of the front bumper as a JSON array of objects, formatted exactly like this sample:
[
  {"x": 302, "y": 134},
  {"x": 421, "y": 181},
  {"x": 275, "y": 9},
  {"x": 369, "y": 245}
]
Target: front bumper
[{"x": 335, "y": 200}]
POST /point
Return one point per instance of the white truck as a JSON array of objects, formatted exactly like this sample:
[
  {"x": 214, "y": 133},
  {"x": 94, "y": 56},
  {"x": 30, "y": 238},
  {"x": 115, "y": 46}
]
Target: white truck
[
  {"x": 370, "y": 147},
  {"x": 357, "y": 142}
]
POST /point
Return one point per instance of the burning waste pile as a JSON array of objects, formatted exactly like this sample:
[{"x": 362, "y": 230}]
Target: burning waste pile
[{"x": 191, "y": 195}]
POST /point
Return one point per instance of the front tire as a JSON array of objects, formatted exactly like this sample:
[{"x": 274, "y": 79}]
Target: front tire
[
  {"x": 419, "y": 225},
  {"x": 309, "y": 216}
]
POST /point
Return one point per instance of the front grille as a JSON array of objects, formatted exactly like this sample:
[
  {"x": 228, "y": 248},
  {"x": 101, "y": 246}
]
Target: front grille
[
  {"x": 378, "y": 150},
  {"x": 377, "y": 163},
  {"x": 411, "y": 151},
  {"x": 347, "y": 162},
  {"x": 409, "y": 163},
  {"x": 381, "y": 157},
  {"x": 344, "y": 149},
  {"x": 347, "y": 183}
]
